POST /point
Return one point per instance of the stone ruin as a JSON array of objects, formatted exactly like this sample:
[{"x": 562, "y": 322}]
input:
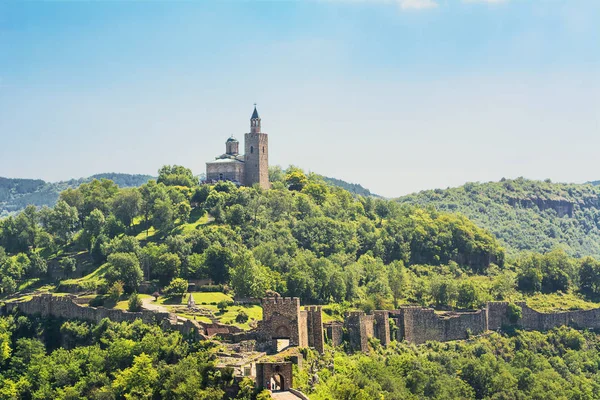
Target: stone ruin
[{"x": 283, "y": 319}]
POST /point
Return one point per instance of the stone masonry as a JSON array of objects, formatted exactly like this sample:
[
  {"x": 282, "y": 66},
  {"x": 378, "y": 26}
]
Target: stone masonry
[
  {"x": 281, "y": 371},
  {"x": 283, "y": 319}
]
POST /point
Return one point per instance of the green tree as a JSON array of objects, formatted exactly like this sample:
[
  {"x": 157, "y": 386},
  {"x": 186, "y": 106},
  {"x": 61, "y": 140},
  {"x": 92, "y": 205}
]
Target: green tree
[
  {"x": 134, "y": 303},
  {"x": 61, "y": 221},
  {"x": 115, "y": 291},
  {"x": 397, "y": 280},
  {"x": 467, "y": 295},
  {"x": 589, "y": 277},
  {"x": 127, "y": 205},
  {"x": 124, "y": 267},
  {"x": 163, "y": 215},
  {"x": 176, "y": 175},
  {"x": 442, "y": 291},
  {"x": 94, "y": 224},
  {"x": 248, "y": 278},
  {"x": 177, "y": 288},
  {"x": 68, "y": 265},
  {"x": 167, "y": 267},
  {"x": 218, "y": 261},
  {"x": 138, "y": 381},
  {"x": 296, "y": 180},
  {"x": 5, "y": 339}
]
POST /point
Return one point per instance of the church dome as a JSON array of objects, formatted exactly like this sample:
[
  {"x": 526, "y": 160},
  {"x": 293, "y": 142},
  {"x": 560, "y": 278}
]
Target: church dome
[{"x": 231, "y": 139}]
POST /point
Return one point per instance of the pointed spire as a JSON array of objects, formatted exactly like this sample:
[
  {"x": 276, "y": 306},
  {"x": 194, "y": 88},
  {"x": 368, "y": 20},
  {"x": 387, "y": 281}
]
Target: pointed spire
[{"x": 255, "y": 113}]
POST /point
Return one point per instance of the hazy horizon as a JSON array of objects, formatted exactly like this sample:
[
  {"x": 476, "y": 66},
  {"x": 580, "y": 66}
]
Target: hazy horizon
[{"x": 398, "y": 96}]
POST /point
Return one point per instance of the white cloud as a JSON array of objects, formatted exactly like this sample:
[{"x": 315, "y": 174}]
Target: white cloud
[{"x": 417, "y": 4}]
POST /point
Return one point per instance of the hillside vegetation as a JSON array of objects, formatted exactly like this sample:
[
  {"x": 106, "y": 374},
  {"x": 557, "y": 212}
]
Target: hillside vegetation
[
  {"x": 16, "y": 194},
  {"x": 526, "y": 215},
  {"x": 305, "y": 238},
  {"x": 302, "y": 238}
]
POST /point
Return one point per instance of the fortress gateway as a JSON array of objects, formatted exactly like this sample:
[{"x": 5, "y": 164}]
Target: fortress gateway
[{"x": 244, "y": 169}]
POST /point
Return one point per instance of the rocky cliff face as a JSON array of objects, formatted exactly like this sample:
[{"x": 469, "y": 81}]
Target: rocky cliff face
[{"x": 563, "y": 207}]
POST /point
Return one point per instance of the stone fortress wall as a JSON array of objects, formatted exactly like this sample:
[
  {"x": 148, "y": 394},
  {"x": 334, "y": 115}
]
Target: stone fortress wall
[
  {"x": 283, "y": 318},
  {"x": 420, "y": 324},
  {"x": 65, "y": 307},
  {"x": 536, "y": 321}
]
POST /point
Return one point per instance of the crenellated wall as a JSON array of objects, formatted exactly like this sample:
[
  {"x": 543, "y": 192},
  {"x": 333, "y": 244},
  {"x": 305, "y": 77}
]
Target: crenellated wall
[
  {"x": 314, "y": 325},
  {"x": 360, "y": 328},
  {"x": 282, "y": 318},
  {"x": 65, "y": 307},
  {"x": 334, "y": 332},
  {"x": 382, "y": 326}
]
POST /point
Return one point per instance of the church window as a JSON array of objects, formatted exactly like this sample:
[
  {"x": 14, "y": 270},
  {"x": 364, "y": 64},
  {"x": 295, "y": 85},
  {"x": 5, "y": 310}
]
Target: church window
[{"x": 251, "y": 149}]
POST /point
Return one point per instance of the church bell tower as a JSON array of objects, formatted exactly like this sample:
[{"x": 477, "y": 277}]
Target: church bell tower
[{"x": 257, "y": 154}]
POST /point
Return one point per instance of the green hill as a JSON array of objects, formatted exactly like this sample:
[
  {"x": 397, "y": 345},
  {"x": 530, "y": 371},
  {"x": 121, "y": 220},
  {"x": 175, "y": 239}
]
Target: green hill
[
  {"x": 526, "y": 214},
  {"x": 353, "y": 188},
  {"x": 16, "y": 194}
]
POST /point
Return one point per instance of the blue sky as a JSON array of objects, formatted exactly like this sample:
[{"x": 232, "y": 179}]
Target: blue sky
[{"x": 398, "y": 95}]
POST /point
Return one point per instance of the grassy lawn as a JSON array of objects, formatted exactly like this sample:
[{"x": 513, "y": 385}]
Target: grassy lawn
[
  {"x": 197, "y": 218},
  {"x": 254, "y": 313},
  {"x": 559, "y": 302},
  {"x": 93, "y": 277},
  {"x": 142, "y": 235},
  {"x": 199, "y": 298},
  {"x": 123, "y": 304},
  {"x": 228, "y": 317},
  {"x": 22, "y": 298},
  {"x": 27, "y": 284}
]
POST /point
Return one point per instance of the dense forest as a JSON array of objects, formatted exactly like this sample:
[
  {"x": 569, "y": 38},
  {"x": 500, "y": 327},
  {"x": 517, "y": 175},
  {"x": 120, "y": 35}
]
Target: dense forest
[
  {"x": 560, "y": 364},
  {"x": 307, "y": 238},
  {"x": 302, "y": 238},
  {"x": 53, "y": 359},
  {"x": 526, "y": 215}
]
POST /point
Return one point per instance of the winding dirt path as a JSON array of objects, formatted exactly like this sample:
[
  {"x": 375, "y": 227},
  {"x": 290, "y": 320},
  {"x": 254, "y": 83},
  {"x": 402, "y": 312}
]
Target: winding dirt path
[{"x": 150, "y": 304}]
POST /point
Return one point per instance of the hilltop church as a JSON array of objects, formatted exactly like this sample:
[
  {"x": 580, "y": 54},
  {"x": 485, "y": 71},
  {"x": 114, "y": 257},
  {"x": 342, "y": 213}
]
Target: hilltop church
[{"x": 243, "y": 169}]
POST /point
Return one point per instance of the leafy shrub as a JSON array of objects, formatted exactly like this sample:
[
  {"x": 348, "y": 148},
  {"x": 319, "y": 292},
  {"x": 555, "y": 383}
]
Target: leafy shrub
[
  {"x": 223, "y": 305},
  {"x": 241, "y": 317},
  {"x": 210, "y": 288},
  {"x": 97, "y": 301},
  {"x": 513, "y": 313},
  {"x": 115, "y": 291},
  {"x": 177, "y": 288},
  {"x": 135, "y": 302}
]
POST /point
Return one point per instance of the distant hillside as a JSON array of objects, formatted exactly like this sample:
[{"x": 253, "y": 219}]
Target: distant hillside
[
  {"x": 525, "y": 214},
  {"x": 16, "y": 194},
  {"x": 353, "y": 188}
]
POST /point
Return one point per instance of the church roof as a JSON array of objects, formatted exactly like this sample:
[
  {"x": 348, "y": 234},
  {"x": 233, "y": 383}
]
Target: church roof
[
  {"x": 232, "y": 139},
  {"x": 225, "y": 161},
  {"x": 255, "y": 114}
]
